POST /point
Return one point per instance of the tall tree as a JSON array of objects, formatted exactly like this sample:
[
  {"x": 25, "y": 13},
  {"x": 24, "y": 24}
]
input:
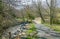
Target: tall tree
[
  {"x": 39, "y": 9},
  {"x": 51, "y": 6}
]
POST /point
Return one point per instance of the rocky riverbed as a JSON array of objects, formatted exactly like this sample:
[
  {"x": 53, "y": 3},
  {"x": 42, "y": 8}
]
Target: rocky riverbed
[{"x": 43, "y": 32}]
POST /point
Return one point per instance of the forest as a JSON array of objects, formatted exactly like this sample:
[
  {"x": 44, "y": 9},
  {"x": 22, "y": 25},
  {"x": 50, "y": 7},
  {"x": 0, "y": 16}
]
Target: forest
[{"x": 29, "y": 19}]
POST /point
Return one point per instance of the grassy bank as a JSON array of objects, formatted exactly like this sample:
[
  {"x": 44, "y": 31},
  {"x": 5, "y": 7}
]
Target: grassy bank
[{"x": 55, "y": 27}]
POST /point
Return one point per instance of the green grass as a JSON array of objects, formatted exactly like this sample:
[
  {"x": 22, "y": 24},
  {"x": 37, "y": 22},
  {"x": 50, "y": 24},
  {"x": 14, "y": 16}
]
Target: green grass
[
  {"x": 29, "y": 31},
  {"x": 55, "y": 27},
  {"x": 32, "y": 28}
]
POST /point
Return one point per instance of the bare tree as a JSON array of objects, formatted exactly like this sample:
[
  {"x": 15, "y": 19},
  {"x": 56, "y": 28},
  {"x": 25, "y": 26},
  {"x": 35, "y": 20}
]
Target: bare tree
[
  {"x": 51, "y": 6},
  {"x": 29, "y": 14},
  {"x": 39, "y": 10}
]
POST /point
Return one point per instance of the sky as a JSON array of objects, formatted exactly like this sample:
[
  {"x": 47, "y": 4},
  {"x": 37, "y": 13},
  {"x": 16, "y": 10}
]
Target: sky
[
  {"x": 25, "y": 2},
  {"x": 43, "y": 0}
]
